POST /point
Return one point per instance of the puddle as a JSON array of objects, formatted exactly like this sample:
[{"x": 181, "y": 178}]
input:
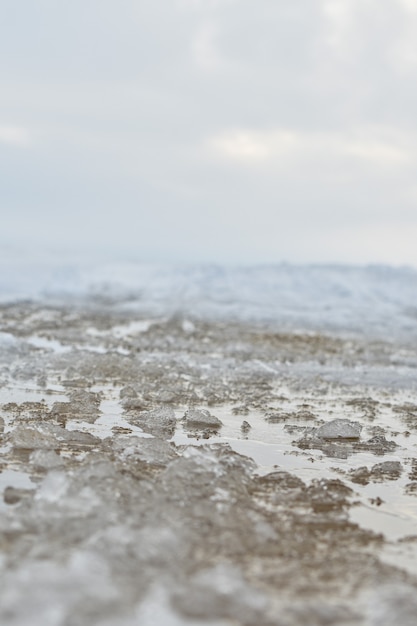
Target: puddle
[
  {"x": 402, "y": 555},
  {"x": 392, "y": 525},
  {"x": 271, "y": 447}
]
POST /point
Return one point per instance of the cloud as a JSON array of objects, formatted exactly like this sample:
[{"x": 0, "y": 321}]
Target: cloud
[
  {"x": 375, "y": 147},
  {"x": 267, "y": 120},
  {"x": 253, "y": 146},
  {"x": 409, "y": 5},
  {"x": 14, "y": 135}
]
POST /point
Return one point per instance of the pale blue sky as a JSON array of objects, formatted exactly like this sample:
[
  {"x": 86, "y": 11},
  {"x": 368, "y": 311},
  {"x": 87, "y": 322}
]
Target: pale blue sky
[{"x": 210, "y": 130}]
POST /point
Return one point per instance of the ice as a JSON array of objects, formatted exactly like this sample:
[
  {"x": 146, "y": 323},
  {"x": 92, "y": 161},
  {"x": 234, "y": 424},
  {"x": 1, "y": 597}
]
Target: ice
[
  {"x": 13, "y": 495},
  {"x": 375, "y": 300},
  {"x": 387, "y": 470},
  {"x": 390, "y": 469},
  {"x": 329, "y": 495},
  {"x": 128, "y": 392},
  {"x": 339, "y": 429},
  {"x": 379, "y": 444},
  {"x": 54, "y": 487},
  {"x": 31, "y": 437},
  {"x": 45, "y": 459},
  {"x": 78, "y": 591},
  {"x": 82, "y": 405},
  {"x": 7, "y": 340},
  {"x": 48, "y": 436},
  {"x": 116, "y": 511},
  {"x": 221, "y": 592},
  {"x": 156, "y": 610},
  {"x": 201, "y": 419},
  {"x": 393, "y": 604},
  {"x": 160, "y": 422},
  {"x": 135, "y": 450}
]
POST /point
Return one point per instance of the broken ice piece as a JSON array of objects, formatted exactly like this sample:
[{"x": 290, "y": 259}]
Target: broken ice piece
[
  {"x": 158, "y": 422},
  {"x": 13, "y": 495},
  {"x": 200, "y": 419},
  {"x": 387, "y": 469},
  {"x": 339, "y": 429}
]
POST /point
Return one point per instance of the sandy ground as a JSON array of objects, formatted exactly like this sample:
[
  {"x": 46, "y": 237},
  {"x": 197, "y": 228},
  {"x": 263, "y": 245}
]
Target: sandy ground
[{"x": 172, "y": 470}]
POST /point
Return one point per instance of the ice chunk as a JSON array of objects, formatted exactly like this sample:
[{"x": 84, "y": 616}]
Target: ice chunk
[
  {"x": 220, "y": 592},
  {"x": 85, "y": 400},
  {"x": 339, "y": 429},
  {"x": 388, "y": 469},
  {"x": 156, "y": 609},
  {"x": 159, "y": 422},
  {"x": 83, "y": 405},
  {"x": 127, "y": 392},
  {"x": 33, "y": 437},
  {"x": 13, "y": 495},
  {"x": 45, "y": 459},
  {"x": 143, "y": 450},
  {"x": 379, "y": 445},
  {"x": 361, "y": 475},
  {"x": 49, "y": 437},
  {"x": 199, "y": 419},
  {"x": 54, "y": 487}
]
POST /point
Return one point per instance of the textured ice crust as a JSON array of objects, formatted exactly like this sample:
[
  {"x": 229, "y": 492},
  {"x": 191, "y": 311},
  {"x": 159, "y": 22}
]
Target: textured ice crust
[
  {"x": 376, "y": 301},
  {"x": 129, "y": 490}
]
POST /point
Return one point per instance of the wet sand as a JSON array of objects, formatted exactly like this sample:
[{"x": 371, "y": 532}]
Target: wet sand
[{"x": 124, "y": 501}]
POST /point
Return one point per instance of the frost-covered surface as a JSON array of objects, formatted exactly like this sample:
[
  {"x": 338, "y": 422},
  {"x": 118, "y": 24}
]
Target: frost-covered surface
[
  {"x": 376, "y": 300},
  {"x": 209, "y": 446}
]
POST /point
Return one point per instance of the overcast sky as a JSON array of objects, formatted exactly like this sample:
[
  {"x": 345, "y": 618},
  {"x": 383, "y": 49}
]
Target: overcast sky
[{"x": 210, "y": 130}]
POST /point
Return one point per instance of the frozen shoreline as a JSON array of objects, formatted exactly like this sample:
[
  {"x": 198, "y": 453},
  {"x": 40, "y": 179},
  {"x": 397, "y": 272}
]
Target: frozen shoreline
[
  {"x": 117, "y": 511},
  {"x": 374, "y": 301}
]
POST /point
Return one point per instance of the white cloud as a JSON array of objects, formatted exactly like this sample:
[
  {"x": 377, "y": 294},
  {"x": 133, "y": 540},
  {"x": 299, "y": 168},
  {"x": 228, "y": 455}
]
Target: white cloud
[
  {"x": 375, "y": 147},
  {"x": 308, "y": 110},
  {"x": 409, "y": 5},
  {"x": 376, "y": 152},
  {"x": 249, "y": 145},
  {"x": 14, "y": 135}
]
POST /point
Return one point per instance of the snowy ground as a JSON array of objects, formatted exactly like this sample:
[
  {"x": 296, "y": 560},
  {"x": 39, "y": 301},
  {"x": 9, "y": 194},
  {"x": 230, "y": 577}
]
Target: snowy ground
[{"x": 125, "y": 501}]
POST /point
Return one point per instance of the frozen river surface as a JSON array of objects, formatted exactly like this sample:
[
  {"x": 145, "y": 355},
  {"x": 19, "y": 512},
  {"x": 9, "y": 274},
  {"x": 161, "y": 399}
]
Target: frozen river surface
[{"x": 208, "y": 447}]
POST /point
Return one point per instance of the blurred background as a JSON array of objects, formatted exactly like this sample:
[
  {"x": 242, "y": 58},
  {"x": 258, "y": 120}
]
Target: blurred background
[{"x": 210, "y": 130}]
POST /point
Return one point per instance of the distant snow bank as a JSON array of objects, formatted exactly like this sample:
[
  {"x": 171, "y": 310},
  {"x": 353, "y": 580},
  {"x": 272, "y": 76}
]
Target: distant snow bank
[{"x": 377, "y": 301}]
